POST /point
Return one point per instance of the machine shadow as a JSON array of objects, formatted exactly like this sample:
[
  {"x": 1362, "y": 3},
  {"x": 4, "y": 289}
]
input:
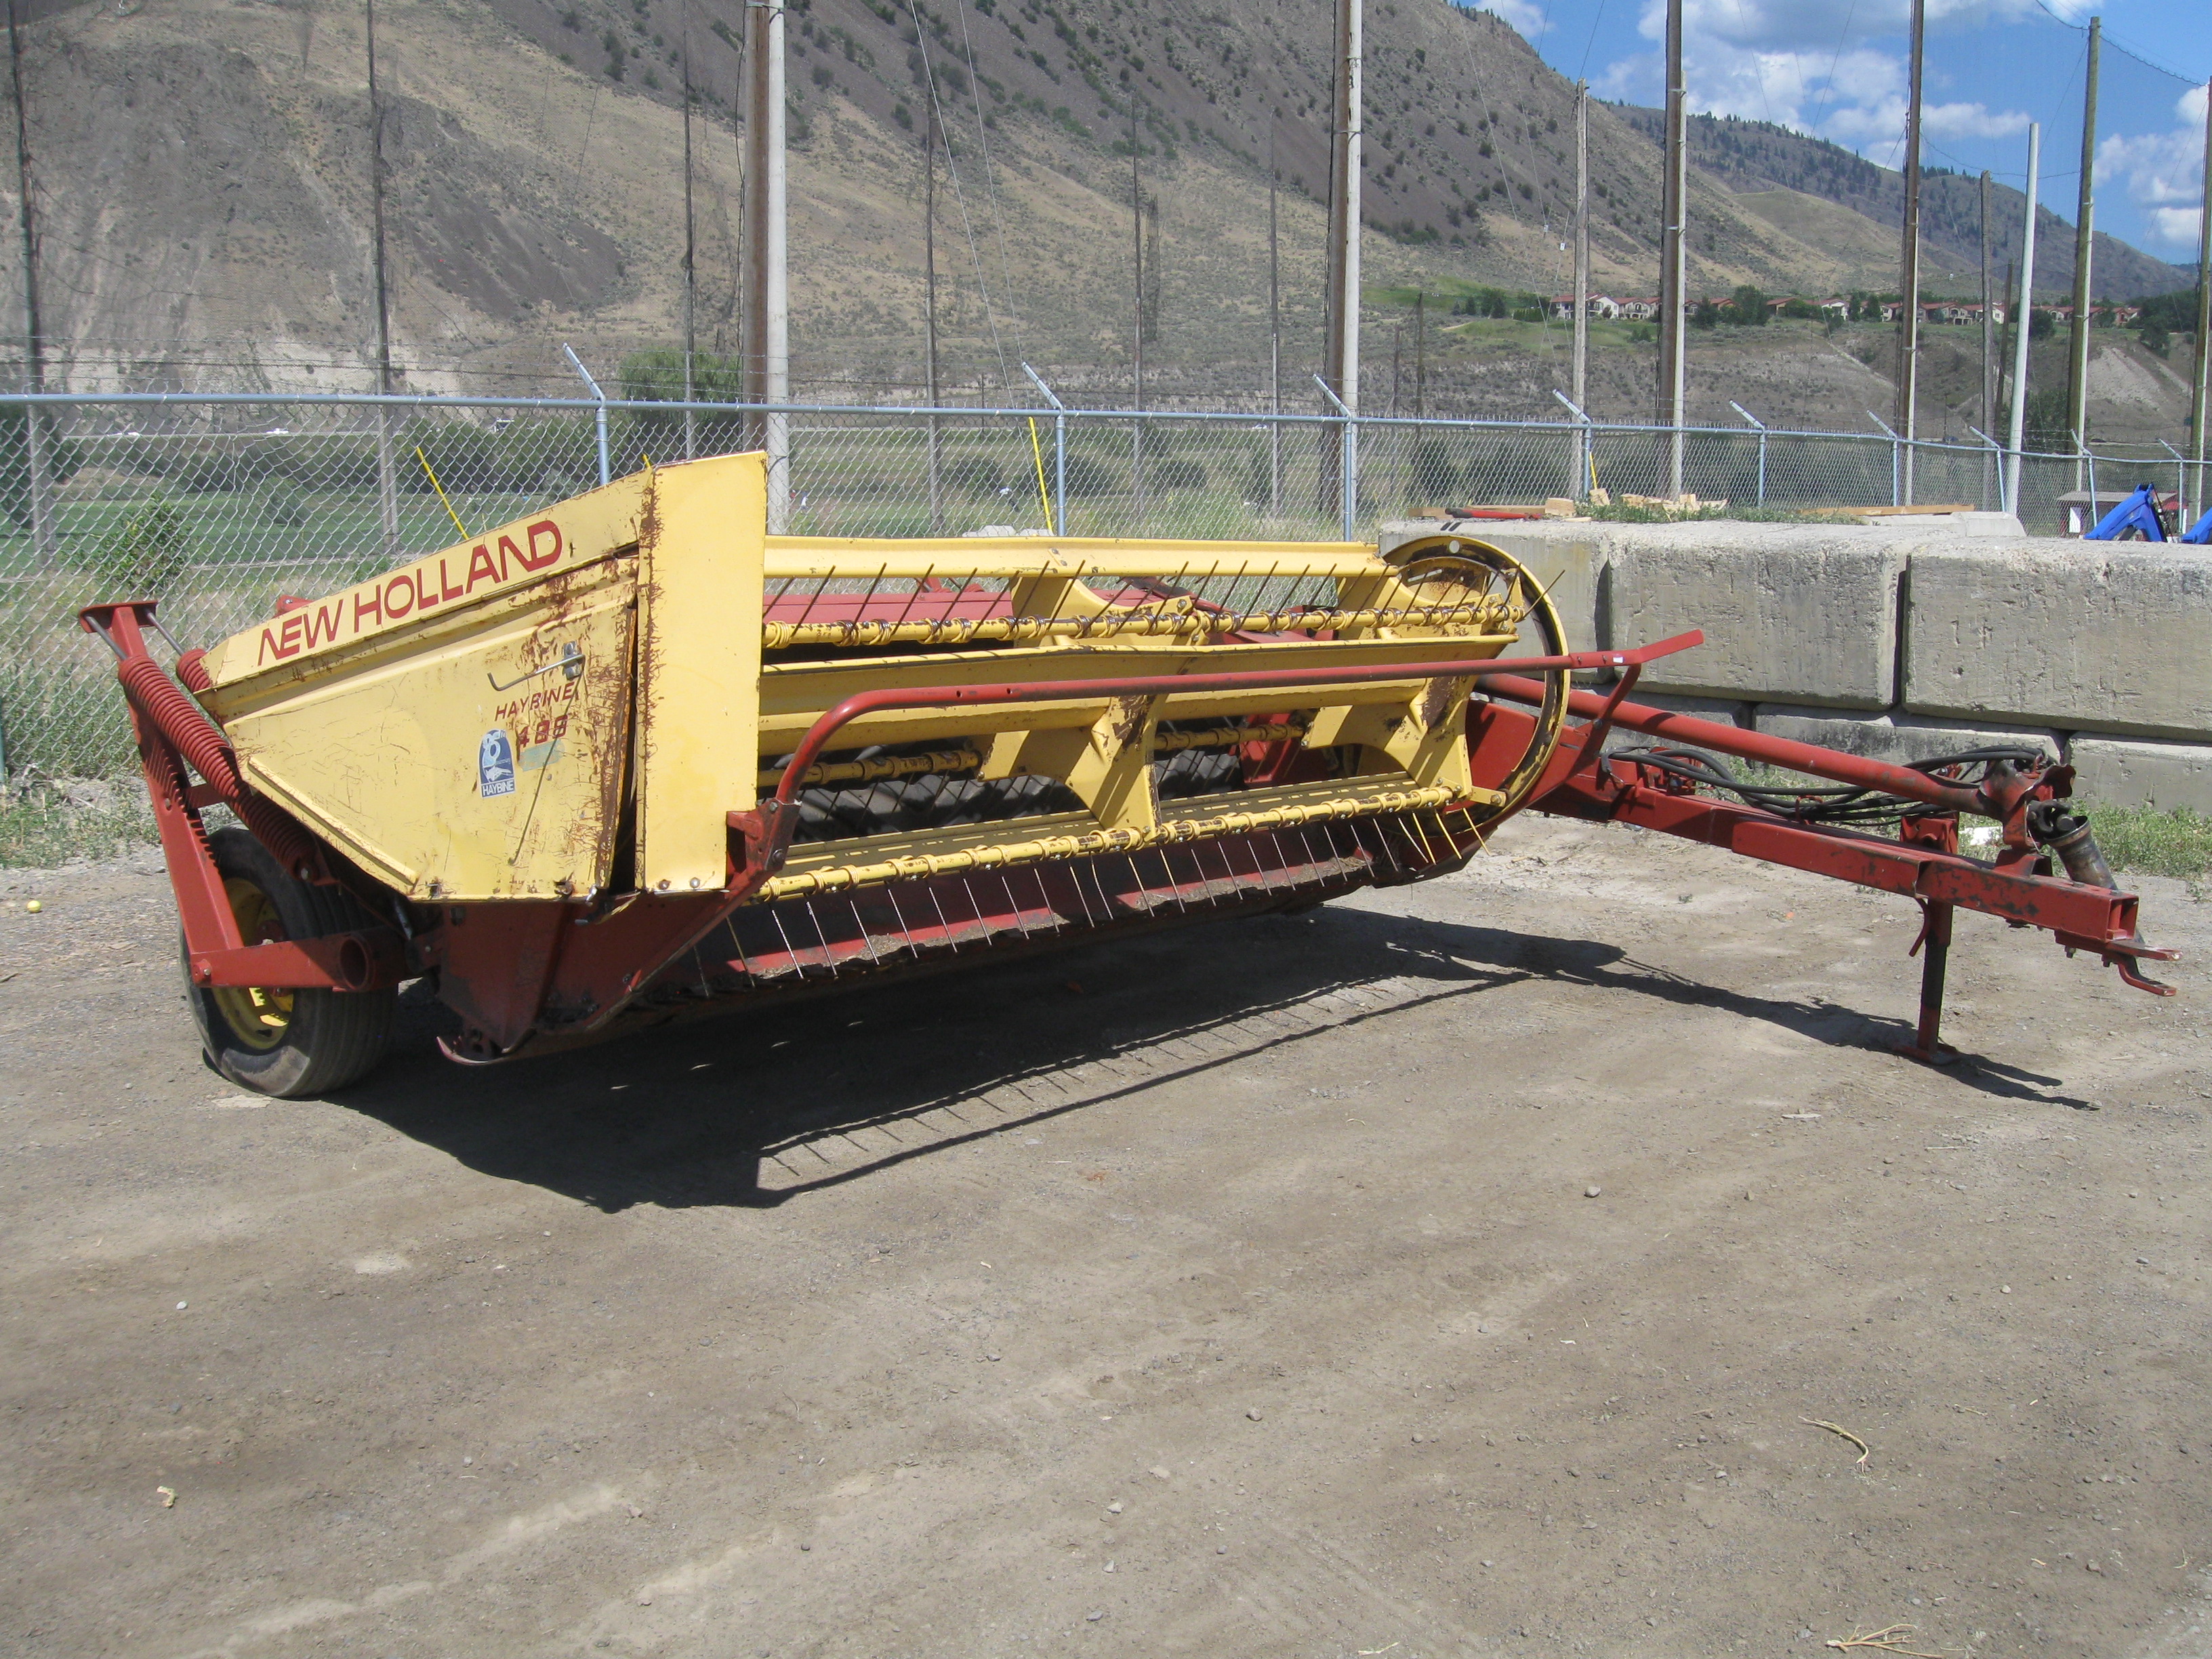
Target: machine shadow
[{"x": 758, "y": 1108}]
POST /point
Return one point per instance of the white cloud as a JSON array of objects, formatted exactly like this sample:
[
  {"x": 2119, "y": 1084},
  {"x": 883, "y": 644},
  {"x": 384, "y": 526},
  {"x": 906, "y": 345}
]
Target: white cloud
[
  {"x": 1783, "y": 61},
  {"x": 1972, "y": 121},
  {"x": 2178, "y": 227},
  {"x": 2162, "y": 171},
  {"x": 1812, "y": 25}
]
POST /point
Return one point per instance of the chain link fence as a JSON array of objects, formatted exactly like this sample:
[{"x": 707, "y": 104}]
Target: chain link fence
[{"x": 215, "y": 505}]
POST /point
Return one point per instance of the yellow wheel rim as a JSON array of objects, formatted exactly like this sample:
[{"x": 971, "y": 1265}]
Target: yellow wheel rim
[{"x": 257, "y": 1017}]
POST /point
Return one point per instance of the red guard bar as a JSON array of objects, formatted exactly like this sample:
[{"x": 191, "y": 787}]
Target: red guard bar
[{"x": 944, "y": 696}]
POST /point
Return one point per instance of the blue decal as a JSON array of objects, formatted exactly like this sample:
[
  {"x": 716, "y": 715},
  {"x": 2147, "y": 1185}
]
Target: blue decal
[{"x": 495, "y": 763}]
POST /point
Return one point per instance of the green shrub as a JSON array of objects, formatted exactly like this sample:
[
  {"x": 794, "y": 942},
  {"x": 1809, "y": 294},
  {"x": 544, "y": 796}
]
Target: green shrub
[
  {"x": 1747, "y": 308},
  {"x": 1436, "y": 479},
  {"x": 142, "y": 556},
  {"x": 280, "y": 501},
  {"x": 1177, "y": 475},
  {"x": 979, "y": 475},
  {"x": 1089, "y": 475}
]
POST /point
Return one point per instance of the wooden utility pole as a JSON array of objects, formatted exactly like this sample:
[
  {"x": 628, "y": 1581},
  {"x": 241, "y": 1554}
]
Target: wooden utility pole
[
  {"x": 2085, "y": 231},
  {"x": 1989, "y": 335},
  {"x": 1673, "y": 254},
  {"x": 2025, "y": 320},
  {"x": 2198, "y": 400},
  {"x": 1137, "y": 333},
  {"x": 1579, "y": 372},
  {"x": 929, "y": 299},
  {"x": 1340, "y": 366},
  {"x": 691, "y": 256},
  {"x": 387, "y": 481},
  {"x": 1274, "y": 339},
  {"x": 1420, "y": 354},
  {"x": 45, "y": 543},
  {"x": 1908, "y": 319},
  {"x": 766, "y": 303}
]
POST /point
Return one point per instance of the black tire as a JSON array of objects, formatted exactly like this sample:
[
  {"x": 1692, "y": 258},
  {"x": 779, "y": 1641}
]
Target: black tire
[{"x": 283, "y": 1044}]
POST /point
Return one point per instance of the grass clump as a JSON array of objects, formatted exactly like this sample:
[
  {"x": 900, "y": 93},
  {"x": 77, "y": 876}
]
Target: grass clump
[
  {"x": 2149, "y": 842},
  {"x": 46, "y": 823}
]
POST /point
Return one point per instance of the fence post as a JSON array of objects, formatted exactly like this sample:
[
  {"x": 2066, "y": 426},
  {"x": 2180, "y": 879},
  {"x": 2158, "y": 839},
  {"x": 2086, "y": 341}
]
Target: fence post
[
  {"x": 1352, "y": 477},
  {"x": 1761, "y": 425},
  {"x": 1992, "y": 463},
  {"x": 1275, "y": 465},
  {"x": 1578, "y": 489},
  {"x": 45, "y": 541},
  {"x": 1896, "y": 460},
  {"x": 2082, "y": 451},
  {"x": 602, "y": 397},
  {"x": 2180, "y": 481},
  {"x": 1058, "y": 451},
  {"x": 387, "y": 483},
  {"x": 1347, "y": 461}
]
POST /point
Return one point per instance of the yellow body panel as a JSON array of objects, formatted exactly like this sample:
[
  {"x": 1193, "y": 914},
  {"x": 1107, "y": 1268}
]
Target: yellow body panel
[
  {"x": 579, "y": 700},
  {"x": 699, "y": 667}
]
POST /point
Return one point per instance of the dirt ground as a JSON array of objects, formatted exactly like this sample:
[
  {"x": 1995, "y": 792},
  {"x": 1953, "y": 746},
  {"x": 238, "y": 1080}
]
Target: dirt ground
[{"x": 1240, "y": 1291}]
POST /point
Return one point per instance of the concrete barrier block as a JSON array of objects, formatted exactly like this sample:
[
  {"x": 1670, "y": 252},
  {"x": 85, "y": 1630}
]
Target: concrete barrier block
[
  {"x": 1806, "y": 613},
  {"x": 2139, "y": 772},
  {"x": 1563, "y": 556},
  {"x": 2085, "y": 636},
  {"x": 1943, "y": 525},
  {"x": 1900, "y": 739}
]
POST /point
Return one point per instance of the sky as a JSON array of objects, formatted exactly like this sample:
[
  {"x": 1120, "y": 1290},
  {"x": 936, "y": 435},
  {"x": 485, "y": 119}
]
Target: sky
[{"x": 1837, "y": 69}]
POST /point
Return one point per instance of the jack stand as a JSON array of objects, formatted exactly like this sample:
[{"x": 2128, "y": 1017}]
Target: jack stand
[{"x": 1936, "y": 939}]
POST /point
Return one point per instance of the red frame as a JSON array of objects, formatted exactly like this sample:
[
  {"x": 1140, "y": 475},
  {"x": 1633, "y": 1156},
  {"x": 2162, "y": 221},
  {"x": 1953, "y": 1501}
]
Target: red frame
[
  {"x": 566, "y": 971},
  {"x": 1924, "y": 864},
  {"x": 168, "y": 726}
]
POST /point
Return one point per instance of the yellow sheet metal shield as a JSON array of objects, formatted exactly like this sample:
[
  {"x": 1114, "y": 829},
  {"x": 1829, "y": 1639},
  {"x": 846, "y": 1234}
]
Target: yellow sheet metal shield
[
  {"x": 468, "y": 740},
  {"x": 577, "y": 700}
]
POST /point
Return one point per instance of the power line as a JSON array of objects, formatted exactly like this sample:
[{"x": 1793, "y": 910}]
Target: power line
[
  {"x": 2122, "y": 46},
  {"x": 952, "y": 172}
]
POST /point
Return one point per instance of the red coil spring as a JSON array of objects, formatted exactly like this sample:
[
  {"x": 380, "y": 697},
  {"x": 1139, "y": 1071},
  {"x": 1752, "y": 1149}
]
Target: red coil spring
[{"x": 197, "y": 739}]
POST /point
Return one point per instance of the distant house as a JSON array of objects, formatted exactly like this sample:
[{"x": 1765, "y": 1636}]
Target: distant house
[
  {"x": 1840, "y": 309},
  {"x": 2124, "y": 315},
  {"x": 1639, "y": 311},
  {"x": 1892, "y": 310},
  {"x": 1598, "y": 305},
  {"x": 1961, "y": 314}
]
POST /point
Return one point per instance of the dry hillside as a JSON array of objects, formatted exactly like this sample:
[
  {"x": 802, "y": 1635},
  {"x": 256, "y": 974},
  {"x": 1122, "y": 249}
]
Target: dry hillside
[
  {"x": 1764, "y": 164},
  {"x": 200, "y": 168}
]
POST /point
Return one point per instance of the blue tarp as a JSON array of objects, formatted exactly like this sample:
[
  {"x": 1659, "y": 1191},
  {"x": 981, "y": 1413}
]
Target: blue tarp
[{"x": 2139, "y": 513}]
